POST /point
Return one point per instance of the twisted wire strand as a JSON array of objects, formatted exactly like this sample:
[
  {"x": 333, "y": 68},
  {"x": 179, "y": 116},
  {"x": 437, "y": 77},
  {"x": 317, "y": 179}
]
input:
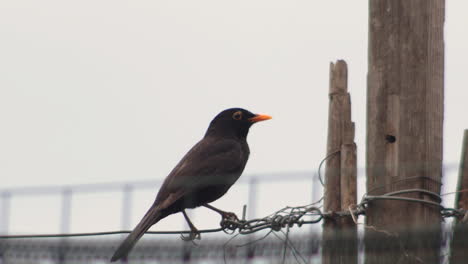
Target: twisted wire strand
[
  {"x": 396, "y": 195},
  {"x": 286, "y": 217}
]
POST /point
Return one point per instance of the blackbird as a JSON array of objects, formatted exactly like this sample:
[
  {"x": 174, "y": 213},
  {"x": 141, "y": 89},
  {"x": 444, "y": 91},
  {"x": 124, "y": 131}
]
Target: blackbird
[{"x": 203, "y": 175}]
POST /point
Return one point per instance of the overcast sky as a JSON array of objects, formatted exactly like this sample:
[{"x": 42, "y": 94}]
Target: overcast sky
[{"x": 111, "y": 91}]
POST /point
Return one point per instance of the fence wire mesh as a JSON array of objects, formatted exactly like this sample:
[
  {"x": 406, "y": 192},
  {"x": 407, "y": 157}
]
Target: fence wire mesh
[{"x": 265, "y": 247}]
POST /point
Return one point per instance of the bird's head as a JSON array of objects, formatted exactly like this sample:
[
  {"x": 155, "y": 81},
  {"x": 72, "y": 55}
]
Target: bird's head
[{"x": 234, "y": 122}]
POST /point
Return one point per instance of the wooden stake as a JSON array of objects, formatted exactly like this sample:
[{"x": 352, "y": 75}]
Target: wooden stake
[
  {"x": 340, "y": 130},
  {"x": 461, "y": 198},
  {"x": 404, "y": 127},
  {"x": 459, "y": 254},
  {"x": 349, "y": 193}
]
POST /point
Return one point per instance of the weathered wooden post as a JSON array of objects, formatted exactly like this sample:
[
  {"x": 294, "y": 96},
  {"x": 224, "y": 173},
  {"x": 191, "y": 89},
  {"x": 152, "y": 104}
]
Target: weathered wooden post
[
  {"x": 458, "y": 252},
  {"x": 340, "y": 171},
  {"x": 404, "y": 127},
  {"x": 349, "y": 191}
]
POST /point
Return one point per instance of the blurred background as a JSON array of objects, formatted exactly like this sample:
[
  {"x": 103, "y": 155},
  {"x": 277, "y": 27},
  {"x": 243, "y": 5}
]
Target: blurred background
[{"x": 100, "y": 99}]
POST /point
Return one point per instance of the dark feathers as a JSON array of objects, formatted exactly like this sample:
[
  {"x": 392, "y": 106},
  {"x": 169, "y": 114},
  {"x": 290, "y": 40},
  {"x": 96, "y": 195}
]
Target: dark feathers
[{"x": 204, "y": 174}]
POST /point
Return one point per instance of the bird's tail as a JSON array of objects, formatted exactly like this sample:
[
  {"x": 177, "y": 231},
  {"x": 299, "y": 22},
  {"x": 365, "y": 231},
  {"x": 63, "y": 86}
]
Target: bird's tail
[{"x": 151, "y": 217}]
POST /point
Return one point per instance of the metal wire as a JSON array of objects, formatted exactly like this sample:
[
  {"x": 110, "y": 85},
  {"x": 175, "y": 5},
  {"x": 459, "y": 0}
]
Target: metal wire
[
  {"x": 445, "y": 211},
  {"x": 286, "y": 217},
  {"x": 105, "y": 233},
  {"x": 321, "y": 163}
]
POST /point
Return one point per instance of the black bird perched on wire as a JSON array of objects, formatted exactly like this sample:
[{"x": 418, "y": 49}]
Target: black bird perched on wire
[{"x": 203, "y": 175}]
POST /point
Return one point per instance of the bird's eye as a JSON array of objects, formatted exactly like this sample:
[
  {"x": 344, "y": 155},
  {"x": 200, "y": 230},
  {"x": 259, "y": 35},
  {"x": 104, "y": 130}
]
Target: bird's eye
[{"x": 237, "y": 115}]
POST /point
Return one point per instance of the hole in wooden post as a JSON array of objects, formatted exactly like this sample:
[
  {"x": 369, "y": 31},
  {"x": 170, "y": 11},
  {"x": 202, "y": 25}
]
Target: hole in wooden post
[{"x": 390, "y": 138}]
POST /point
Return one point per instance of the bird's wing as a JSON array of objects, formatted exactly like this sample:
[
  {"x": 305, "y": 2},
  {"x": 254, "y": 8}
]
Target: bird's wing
[{"x": 209, "y": 162}]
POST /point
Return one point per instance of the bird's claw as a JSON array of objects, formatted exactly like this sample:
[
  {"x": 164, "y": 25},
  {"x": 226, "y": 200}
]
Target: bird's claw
[
  {"x": 193, "y": 235},
  {"x": 229, "y": 222},
  {"x": 229, "y": 216}
]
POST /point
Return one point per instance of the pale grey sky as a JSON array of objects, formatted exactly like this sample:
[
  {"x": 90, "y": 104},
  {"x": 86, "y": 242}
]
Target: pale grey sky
[{"x": 101, "y": 91}]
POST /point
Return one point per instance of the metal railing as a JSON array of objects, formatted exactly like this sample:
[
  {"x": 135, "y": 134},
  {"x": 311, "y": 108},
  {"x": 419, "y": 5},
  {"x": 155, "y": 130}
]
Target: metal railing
[{"x": 66, "y": 193}]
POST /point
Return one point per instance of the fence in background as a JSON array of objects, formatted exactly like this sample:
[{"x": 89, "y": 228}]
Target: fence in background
[
  {"x": 277, "y": 247},
  {"x": 281, "y": 246},
  {"x": 66, "y": 193},
  {"x": 299, "y": 249}
]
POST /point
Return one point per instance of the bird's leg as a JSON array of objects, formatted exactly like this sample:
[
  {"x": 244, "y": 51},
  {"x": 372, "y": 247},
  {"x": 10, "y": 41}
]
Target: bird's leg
[
  {"x": 194, "y": 233},
  {"x": 227, "y": 215}
]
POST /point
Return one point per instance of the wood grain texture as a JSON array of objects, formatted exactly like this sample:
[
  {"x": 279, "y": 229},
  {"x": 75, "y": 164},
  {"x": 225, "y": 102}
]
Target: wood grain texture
[
  {"x": 339, "y": 171},
  {"x": 348, "y": 179},
  {"x": 404, "y": 121}
]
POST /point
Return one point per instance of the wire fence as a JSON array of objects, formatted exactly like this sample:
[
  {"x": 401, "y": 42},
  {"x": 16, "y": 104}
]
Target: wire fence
[
  {"x": 275, "y": 238},
  {"x": 283, "y": 246},
  {"x": 69, "y": 195},
  {"x": 151, "y": 250},
  {"x": 288, "y": 217},
  {"x": 275, "y": 243}
]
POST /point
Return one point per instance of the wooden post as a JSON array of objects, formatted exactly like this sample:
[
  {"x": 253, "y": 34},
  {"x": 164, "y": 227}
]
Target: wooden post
[
  {"x": 461, "y": 198},
  {"x": 349, "y": 192},
  {"x": 459, "y": 254},
  {"x": 404, "y": 127},
  {"x": 340, "y": 140}
]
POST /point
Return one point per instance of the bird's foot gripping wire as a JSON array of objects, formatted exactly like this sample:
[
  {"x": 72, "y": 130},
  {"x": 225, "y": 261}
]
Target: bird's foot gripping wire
[
  {"x": 193, "y": 235},
  {"x": 229, "y": 223},
  {"x": 225, "y": 215},
  {"x": 229, "y": 216},
  {"x": 229, "y": 220}
]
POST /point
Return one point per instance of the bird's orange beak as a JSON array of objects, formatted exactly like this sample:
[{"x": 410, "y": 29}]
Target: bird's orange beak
[{"x": 258, "y": 118}]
